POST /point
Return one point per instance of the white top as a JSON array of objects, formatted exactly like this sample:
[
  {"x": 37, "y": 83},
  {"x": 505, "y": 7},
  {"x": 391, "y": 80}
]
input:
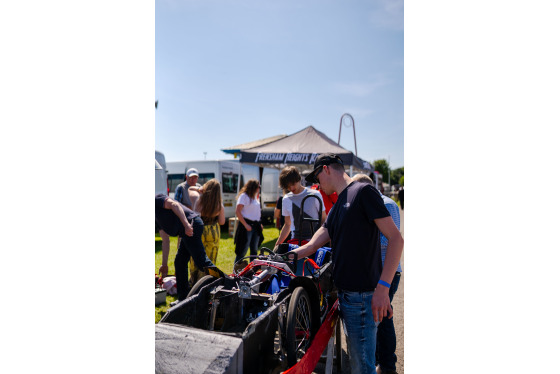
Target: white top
[
  {"x": 251, "y": 208},
  {"x": 291, "y": 206}
]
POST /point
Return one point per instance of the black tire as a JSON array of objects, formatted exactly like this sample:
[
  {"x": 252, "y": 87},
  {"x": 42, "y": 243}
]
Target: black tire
[
  {"x": 338, "y": 346},
  {"x": 298, "y": 326},
  {"x": 207, "y": 279}
]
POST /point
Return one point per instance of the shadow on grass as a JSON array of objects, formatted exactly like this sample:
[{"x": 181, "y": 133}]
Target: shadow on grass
[
  {"x": 269, "y": 244},
  {"x": 224, "y": 235}
]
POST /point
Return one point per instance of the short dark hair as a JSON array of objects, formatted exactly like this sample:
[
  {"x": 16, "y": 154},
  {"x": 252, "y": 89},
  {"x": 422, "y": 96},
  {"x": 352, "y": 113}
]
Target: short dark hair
[
  {"x": 338, "y": 167},
  {"x": 289, "y": 175}
]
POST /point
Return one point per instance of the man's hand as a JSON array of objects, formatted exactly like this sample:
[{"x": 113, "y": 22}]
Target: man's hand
[
  {"x": 163, "y": 271},
  {"x": 180, "y": 213},
  {"x": 248, "y": 227},
  {"x": 286, "y": 257},
  {"x": 381, "y": 304}
]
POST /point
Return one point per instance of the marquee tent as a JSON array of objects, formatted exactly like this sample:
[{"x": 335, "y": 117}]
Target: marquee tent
[
  {"x": 236, "y": 149},
  {"x": 301, "y": 148}
]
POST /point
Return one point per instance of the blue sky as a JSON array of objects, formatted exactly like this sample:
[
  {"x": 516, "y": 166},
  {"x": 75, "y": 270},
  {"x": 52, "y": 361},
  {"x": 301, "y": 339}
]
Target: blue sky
[{"x": 230, "y": 72}]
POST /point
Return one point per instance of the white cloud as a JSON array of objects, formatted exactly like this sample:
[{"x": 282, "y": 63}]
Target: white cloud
[
  {"x": 390, "y": 14},
  {"x": 359, "y": 89}
]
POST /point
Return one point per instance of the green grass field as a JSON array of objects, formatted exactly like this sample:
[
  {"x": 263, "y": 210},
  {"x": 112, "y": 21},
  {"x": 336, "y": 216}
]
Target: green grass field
[{"x": 226, "y": 255}]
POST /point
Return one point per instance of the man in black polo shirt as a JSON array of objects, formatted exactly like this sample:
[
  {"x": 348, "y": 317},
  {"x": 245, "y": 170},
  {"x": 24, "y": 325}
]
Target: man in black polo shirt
[
  {"x": 353, "y": 228},
  {"x": 175, "y": 219}
]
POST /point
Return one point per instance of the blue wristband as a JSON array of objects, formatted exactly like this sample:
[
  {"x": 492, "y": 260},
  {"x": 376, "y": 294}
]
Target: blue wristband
[{"x": 383, "y": 283}]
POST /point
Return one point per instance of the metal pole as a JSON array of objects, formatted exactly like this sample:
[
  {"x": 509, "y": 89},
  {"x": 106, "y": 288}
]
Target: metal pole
[
  {"x": 355, "y": 144},
  {"x": 353, "y": 127},
  {"x": 340, "y": 129}
]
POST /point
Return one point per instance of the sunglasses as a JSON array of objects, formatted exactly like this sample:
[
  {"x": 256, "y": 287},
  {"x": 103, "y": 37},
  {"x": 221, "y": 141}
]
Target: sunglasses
[{"x": 319, "y": 172}]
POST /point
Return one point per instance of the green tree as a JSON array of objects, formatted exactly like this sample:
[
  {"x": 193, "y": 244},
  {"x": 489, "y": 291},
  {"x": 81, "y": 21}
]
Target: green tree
[
  {"x": 382, "y": 166},
  {"x": 401, "y": 181},
  {"x": 396, "y": 175}
]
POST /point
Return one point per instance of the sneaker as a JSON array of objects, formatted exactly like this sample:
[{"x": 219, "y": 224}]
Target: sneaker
[
  {"x": 379, "y": 370},
  {"x": 240, "y": 266}
]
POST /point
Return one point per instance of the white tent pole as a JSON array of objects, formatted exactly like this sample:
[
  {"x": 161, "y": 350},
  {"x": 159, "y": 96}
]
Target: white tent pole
[{"x": 235, "y": 201}]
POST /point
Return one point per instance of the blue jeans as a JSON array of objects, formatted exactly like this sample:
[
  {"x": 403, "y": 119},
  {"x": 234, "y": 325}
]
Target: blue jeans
[
  {"x": 191, "y": 246},
  {"x": 360, "y": 329},
  {"x": 252, "y": 242},
  {"x": 386, "y": 338}
]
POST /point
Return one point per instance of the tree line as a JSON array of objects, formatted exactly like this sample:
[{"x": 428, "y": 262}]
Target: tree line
[{"x": 397, "y": 175}]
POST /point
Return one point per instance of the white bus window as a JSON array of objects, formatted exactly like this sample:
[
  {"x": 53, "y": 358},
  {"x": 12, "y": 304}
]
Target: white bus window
[
  {"x": 229, "y": 182},
  {"x": 204, "y": 177},
  {"x": 174, "y": 180}
]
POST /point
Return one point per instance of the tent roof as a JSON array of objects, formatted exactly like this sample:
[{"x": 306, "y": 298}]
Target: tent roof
[
  {"x": 301, "y": 148},
  {"x": 238, "y": 148}
]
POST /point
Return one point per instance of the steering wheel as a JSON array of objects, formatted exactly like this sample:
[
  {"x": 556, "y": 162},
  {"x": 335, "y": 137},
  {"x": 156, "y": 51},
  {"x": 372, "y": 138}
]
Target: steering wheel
[
  {"x": 289, "y": 258},
  {"x": 263, "y": 249}
]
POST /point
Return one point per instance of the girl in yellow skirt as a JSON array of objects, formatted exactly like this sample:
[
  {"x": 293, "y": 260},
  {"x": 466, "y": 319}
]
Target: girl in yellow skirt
[{"x": 211, "y": 210}]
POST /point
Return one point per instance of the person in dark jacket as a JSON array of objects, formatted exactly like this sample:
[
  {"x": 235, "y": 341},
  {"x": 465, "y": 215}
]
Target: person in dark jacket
[{"x": 175, "y": 219}]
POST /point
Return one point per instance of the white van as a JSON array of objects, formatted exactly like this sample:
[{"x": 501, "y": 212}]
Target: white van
[
  {"x": 270, "y": 192},
  {"x": 161, "y": 174},
  {"x": 227, "y": 172}
]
